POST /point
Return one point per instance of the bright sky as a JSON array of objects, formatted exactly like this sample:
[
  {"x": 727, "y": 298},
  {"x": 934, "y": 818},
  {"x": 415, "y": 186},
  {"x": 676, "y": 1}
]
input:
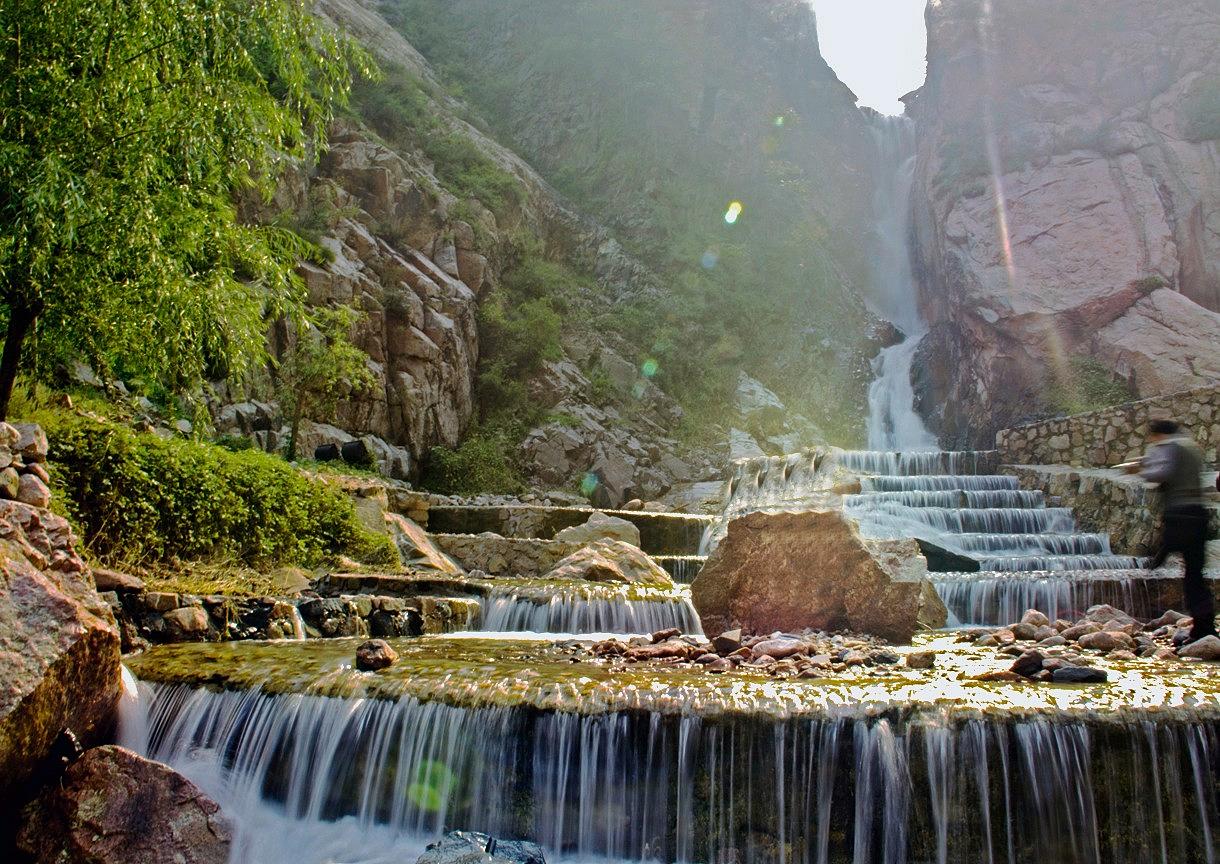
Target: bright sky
[{"x": 876, "y": 47}]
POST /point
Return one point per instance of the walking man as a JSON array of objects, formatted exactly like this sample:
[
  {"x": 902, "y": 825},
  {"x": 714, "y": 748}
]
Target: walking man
[{"x": 1175, "y": 463}]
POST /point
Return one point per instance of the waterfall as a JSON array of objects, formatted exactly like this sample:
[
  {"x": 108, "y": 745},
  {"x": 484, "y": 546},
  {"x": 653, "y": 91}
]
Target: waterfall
[
  {"x": 893, "y": 423},
  {"x": 309, "y": 778},
  {"x": 578, "y": 611}
]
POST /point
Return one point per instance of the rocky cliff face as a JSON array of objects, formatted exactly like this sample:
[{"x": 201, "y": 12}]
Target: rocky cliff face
[
  {"x": 1067, "y": 203},
  {"x": 397, "y": 250}
]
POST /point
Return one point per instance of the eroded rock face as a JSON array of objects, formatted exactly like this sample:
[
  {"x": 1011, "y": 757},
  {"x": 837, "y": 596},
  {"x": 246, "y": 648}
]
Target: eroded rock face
[
  {"x": 59, "y": 647},
  {"x": 1067, "y": 203},
  {"x": 611, "y": 561},
  {"x": 416, "y": 549},
  {"x": 792, "y": 571},
  {"x": 115, "y": 807}
]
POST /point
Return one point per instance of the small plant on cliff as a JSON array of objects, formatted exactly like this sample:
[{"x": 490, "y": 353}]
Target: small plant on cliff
[
  {"x": 125, "y": 131},
  {"x": 1086, "y": 385},
  {"x": 479, "y": 465},
  {"x": 320, "y": 367},
  {"x": 1199, "y": 112}
]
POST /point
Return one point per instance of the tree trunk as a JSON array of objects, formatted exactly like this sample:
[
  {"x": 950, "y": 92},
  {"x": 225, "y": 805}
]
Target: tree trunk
[
  {"x": 291, "y": 455},
  {"x": 20, "y": 322}
]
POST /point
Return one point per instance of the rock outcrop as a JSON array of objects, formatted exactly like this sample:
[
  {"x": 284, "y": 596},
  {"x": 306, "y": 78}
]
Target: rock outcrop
[
  {"x": 59, "y": 647},
  {"x": 115, "y": 807},
  {"x": 812, "y": 569},
  {"x": 1067, "y": 204},
  {"x": 601, "y": 527},
  {"x": 416, "y": 549},
  {"x": 610, "y": 561}
]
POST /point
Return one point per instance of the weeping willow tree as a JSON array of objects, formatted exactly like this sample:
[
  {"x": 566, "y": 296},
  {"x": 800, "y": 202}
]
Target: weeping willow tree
[{"x": 128, "y": 130}]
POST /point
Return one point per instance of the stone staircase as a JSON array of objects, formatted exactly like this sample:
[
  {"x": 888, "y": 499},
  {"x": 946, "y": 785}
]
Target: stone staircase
[{"x": 1010, "y": 549}]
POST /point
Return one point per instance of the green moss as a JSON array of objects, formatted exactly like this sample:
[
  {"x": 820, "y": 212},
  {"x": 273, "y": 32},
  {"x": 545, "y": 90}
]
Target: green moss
[
  {"x": 541, "y": 674},
  {"x": 1086, "y": 385}
]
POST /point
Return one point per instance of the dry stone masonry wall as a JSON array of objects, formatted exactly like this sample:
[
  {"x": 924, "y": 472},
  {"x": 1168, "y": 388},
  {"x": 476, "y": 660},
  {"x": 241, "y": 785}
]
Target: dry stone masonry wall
[{"x": 1114, "y": 435}]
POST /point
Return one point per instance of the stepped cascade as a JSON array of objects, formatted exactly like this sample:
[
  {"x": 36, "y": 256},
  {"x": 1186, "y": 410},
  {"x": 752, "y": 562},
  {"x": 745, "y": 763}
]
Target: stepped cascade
[
  {"x": 1002, "y": 549},
  {"x": 578, "y": 610}
]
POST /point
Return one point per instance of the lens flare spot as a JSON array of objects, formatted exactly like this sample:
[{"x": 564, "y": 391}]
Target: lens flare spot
[
  {"x": 710, "y": 259},
  {"x": 733, "y": 212},
  {"x": 588, "y": 484},
  {"x": 779, "y": 121},
  {"x": 433, "y": 784},
  {"x": 650, "y": 368},
  {"x": 638, "y": 389}
]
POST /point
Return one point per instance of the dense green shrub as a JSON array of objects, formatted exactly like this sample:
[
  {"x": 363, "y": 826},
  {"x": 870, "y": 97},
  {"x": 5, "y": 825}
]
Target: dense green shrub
[
  {"x": 140, "y": 499},
  {"x": 480, "y": 465}
]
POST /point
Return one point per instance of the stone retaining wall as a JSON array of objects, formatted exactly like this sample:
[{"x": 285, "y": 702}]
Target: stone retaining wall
[
  {"x": 1115, "y": 434},
  {"x": 161, "y": 617},
  {"x": 504, "y": 556},
  {"x": 660, "y": 533},
  {"x": 1106, "y": 502}
]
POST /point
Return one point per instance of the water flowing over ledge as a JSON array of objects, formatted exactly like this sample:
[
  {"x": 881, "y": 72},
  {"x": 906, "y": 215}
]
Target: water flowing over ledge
[
  {"x": 653, "y": 786},
  {"x": 588, "y": 608}
]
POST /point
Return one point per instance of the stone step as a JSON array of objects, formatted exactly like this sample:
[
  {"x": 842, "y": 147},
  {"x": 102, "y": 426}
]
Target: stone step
[
  {"x": 660, "y": 533},
  {"x": 961, "y": 462},
  {"x": 1056, "y": 563},
  {"x": 939, "y": 482}
]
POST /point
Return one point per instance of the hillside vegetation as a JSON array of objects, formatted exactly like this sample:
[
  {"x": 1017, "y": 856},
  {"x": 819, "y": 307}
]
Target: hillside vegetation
[{"x": 656, "y": 119}]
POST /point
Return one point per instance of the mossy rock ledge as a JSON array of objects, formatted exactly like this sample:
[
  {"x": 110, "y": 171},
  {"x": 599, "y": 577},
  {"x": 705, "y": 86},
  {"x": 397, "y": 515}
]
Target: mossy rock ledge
[{"x": 558, "y": 676}]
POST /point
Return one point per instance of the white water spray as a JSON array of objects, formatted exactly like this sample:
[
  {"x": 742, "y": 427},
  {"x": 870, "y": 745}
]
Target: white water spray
[{"x": 893, "y": 423}]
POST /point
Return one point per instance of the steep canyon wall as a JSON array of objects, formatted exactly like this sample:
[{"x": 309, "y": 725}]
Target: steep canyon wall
[{"x": 1067, "y": 206}]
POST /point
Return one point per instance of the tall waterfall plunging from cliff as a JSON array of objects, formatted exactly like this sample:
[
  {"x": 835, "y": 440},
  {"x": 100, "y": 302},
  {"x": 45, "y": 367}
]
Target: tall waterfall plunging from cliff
[{"x": 893, "y": 423}]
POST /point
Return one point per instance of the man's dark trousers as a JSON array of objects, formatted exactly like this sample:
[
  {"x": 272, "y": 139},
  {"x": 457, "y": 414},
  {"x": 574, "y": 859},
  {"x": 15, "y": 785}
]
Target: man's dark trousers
[{"x": 1186, "y": 533}]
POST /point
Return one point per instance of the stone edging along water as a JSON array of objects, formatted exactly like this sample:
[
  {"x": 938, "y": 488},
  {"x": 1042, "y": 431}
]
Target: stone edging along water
[{"x": 557, "y": 676}]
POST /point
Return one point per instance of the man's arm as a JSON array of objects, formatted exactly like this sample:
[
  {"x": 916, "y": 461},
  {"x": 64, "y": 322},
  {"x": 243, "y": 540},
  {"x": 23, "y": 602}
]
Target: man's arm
[{"x": 1157, "y": 466}]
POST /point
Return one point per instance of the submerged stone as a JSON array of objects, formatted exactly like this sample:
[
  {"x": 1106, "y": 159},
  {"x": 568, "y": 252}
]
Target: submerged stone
[
  {"x": 1079, "y": 675},
  {"x": 374, "y": 655}
]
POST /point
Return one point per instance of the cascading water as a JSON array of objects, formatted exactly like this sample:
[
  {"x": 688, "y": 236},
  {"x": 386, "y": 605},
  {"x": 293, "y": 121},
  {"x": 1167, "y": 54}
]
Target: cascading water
[
  {"x": 577, "y": 611},
  {"x": 893, "y": 423},
  {"x": 372, "y": 779}
]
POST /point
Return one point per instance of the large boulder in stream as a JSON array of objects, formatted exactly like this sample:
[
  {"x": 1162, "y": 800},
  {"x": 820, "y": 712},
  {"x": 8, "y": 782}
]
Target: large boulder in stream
[
  {"x": 59, "y": 647},
  {"x": 115, "y": 807},
  {"x": 812, "y": 569},
  {"x": 610, "y": 561}
]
